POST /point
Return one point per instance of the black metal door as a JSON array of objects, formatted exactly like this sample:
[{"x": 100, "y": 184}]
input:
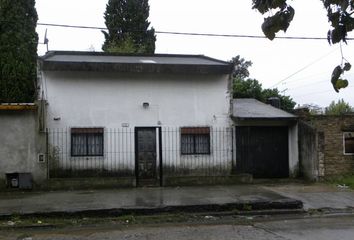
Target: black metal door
[
  {"x": 262, "y": 151},
  {"x": 145, "y": 149}
]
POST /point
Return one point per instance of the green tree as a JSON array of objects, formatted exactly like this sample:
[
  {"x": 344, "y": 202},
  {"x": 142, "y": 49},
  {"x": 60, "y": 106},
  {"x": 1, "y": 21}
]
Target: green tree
[
  {"x": 286, "y": 102},
  {"x": 338, "y": 108},
  {"x": 247, "y": 88},
  {"x": 18, "y": 51},
  {"x": 241, "y": 66},
  {"x": 339, "y": 13},
  {"x": 314, "y": 109},
  {"x": 244, "y": 87},
  {"x": 128, "y": 27}
]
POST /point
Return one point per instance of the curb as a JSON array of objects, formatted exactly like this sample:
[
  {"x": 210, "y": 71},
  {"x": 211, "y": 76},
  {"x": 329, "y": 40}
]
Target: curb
[
  {"x": 331, "y": 211},
  {"x": 245, "y": 207}
]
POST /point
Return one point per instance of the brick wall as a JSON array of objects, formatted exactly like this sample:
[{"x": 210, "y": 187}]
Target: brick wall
[{"x": 331, "y": 158}]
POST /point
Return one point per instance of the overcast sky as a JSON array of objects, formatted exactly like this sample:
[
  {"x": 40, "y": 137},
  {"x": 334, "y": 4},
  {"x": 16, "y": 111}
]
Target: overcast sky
[{"x": 305, "y": 64}]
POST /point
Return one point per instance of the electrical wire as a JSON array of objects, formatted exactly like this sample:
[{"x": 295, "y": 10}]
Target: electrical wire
[
  {"x": 190, "y": 33},
  {"x": 303, "y": 68},
  {"x": 319, "y": 92},
  {"x": 295, "y": 81},
  {"x": 223, "y": 35},
  {"x": 308, "y": 84},
  {"x": 312, "y": 76}
]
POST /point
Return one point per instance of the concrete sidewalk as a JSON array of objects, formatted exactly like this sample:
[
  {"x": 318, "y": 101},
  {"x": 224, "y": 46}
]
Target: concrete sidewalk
[
  {"x": 316, "y": 195},
  {"x": 146, "y": 200},
  {"x": 279, "y": 197}
]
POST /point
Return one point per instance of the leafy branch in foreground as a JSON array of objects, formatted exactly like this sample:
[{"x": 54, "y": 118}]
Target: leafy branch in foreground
[{"x": 339, "y": 13}]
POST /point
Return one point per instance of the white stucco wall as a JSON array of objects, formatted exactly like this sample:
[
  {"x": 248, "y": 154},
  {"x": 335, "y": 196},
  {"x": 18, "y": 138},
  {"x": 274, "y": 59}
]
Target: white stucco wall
[{"x": 112, "y": 99}]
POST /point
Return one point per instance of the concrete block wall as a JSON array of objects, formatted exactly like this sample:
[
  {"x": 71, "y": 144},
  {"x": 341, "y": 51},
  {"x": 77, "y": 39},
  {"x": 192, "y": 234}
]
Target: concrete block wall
[
  {"x": 308, "y": 151},
  {"x": 331, "y": 158},
  {"x": 20, "y": 144}
]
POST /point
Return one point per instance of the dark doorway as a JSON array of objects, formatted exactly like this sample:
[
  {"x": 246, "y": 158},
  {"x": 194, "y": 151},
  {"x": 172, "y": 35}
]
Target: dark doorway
[
  {"x": 262, "y": 151},
  {"x": 146, "y": 156}
]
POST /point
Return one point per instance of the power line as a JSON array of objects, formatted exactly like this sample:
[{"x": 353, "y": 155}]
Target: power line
[
  {"x": 312, "y": 93},
  {"x": 215, "y": 35},
  {"x": 319, "y": 92},
  {"x": 190, "y": 33},
  {"x": 303, "y": 68},
  {"x": 306, "y": 85},
  {"x": 295, "y": 81},
  {"x": 312, "y": 83},
  {"x": 70, "y": 26}
]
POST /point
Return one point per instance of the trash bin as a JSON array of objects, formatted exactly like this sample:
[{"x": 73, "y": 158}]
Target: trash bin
[
  {"x": 12, "y": 180},
  {"x": 19, "y": 180}
]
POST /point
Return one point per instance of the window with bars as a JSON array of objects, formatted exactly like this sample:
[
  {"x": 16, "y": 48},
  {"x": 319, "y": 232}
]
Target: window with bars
[
  {"x": 86, "y": 142},
  {"x": 349, "y": 143},
  {"x": 195, "y": 140}
]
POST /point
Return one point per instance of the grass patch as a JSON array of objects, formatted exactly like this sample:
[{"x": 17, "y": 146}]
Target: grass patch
[
  {"x": 343, "y": 181},
  {"x": 247, "y": 207}
]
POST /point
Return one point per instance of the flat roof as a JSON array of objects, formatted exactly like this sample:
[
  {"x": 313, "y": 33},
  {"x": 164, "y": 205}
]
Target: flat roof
[
  {"x": 102, "y": 61},
  {"x": 249, "y": 108}
]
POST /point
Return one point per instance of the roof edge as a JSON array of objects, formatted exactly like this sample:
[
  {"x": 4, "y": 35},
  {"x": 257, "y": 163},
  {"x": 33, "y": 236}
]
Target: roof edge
[
  {"x": 252, "y": 102},
  {"x": 266, "y": 118},
  {"x": 86, "y": 53}
]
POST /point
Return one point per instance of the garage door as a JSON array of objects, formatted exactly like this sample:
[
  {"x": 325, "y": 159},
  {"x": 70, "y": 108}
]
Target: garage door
[{"x": 262, "y": 151}]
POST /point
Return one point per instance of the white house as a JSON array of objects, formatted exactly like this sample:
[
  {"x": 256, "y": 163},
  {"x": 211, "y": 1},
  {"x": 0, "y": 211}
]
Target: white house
[
  {"x": 153, "y": 118},
  {"x": 137, "y": 116}
]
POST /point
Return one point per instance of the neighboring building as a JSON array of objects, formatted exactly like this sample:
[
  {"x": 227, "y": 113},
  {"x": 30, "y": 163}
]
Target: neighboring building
[
  {"x": 145, "y": 116},
  {"x": 22, "y": 145},
  {"x": 333, "y": 141}
]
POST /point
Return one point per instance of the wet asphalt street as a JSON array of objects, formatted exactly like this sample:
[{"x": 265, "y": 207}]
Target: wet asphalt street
[{"x": 322, "y": 228}]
